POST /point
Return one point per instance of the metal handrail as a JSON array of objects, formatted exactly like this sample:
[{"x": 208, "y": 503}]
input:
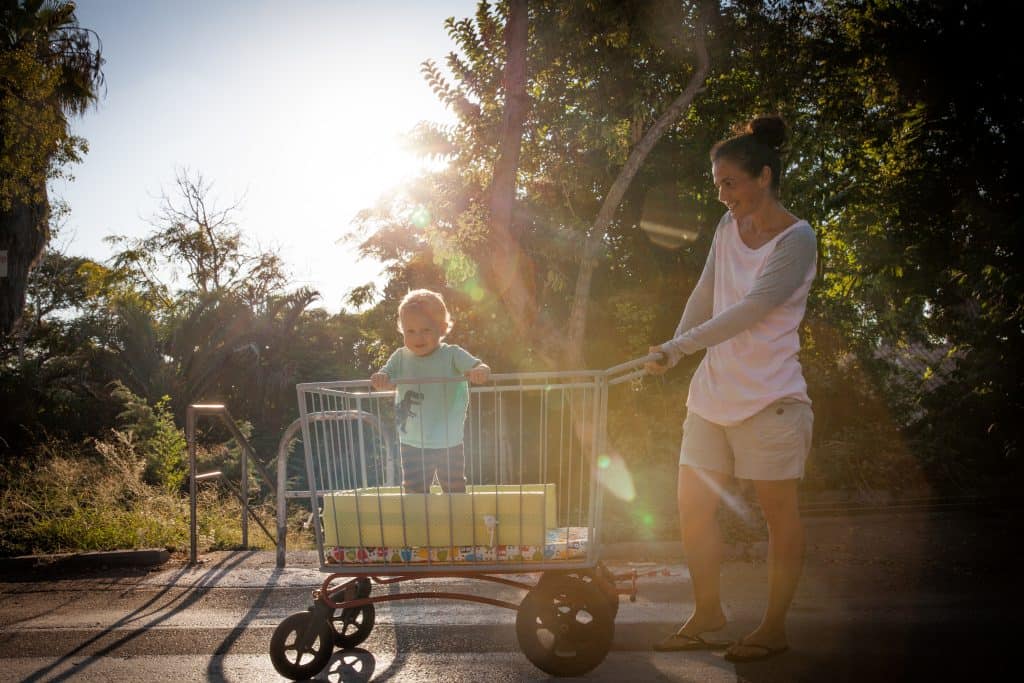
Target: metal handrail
[{"x": 242, "y": 492}]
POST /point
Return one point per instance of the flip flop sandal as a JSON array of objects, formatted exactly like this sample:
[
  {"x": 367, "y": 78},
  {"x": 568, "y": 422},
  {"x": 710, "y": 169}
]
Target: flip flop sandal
[
  {"x": 762, "y": 652},
  {"x": 682, "y": 642}
]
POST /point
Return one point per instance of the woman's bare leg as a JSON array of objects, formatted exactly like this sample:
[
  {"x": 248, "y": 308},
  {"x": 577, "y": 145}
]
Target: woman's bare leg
[
  {"x": 699, "y": 492},
  {"x": 779, "y": 501}
]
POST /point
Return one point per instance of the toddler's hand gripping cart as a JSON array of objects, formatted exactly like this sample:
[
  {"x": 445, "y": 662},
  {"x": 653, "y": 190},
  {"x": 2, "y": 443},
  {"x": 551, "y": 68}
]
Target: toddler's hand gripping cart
[{"x": 535, "y": 454}]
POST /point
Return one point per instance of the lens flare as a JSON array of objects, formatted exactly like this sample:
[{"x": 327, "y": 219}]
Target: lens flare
[
  {"x": 667, "y": 236},
  {"x": 668, "y": 216},
  {"x": 472, "y": 288},
  {"x": 615, "y": 477},
  {"x": 731, "y": 500},
  {"x": 420, "y": 217}
]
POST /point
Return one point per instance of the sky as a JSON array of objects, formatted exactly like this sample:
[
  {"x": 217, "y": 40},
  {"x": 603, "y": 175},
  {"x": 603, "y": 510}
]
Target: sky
[{"x": 293, "y": 110}]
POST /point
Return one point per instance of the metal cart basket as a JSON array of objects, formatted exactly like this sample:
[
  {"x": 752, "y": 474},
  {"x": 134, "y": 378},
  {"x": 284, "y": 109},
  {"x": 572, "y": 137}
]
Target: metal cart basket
[{"x": 534, "y": 450}]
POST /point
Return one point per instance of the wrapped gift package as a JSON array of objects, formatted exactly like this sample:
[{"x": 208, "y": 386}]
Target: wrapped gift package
[
  {"x": 488, "y": 516},
  {"x": 564, "y": 543}
]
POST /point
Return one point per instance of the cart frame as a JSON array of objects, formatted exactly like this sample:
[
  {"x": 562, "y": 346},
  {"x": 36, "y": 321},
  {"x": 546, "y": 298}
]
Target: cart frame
[{"x": 565, "y": 589}]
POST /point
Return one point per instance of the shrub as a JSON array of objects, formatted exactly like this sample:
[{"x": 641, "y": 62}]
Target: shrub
[
  {"x": 162, "y": 444},
  {"x": 89, "y": 497}
]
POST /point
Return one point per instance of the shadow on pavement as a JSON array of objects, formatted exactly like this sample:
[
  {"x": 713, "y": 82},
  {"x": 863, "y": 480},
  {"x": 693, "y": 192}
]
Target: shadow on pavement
[
  {"x": 926, "y": 597},
  {"x": 215, "y": 669},
  {"x": 350, "y": 666},
  {"x": 175, "y": 605}
]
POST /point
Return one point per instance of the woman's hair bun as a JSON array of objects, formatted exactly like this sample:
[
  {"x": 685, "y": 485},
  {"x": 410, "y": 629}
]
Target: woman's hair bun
[{"x": 769, "y": 130}]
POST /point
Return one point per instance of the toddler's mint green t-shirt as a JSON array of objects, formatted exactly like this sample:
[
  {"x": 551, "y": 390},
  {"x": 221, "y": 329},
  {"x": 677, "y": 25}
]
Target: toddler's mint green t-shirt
[{"x": 431, "y": 415}]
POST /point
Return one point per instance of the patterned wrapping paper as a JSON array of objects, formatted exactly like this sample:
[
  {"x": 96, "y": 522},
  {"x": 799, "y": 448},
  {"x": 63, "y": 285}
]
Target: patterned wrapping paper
[
  {"x": 565, "y": 543},
  {"x": 388, "y": 517}
]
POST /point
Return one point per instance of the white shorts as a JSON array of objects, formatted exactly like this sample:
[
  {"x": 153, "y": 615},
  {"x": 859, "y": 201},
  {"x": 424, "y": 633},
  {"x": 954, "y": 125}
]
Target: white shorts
[{"x": 770, "y": 445}]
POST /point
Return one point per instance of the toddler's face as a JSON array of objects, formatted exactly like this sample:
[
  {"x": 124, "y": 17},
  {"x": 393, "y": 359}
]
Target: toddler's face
[{"x": 421, "y": 334}]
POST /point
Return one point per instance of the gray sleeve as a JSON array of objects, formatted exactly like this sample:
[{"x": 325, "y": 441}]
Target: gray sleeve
[
  {"x": 699, "y": 306},
  {"x": 787, "y": 266}
]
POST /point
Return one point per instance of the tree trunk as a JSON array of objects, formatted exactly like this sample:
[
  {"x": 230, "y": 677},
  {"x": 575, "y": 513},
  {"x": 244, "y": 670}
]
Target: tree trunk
[
  {"x": 573, "y": 350},
  {"x": 24, "y": 231},
  {"x": 509, "y": 271}
]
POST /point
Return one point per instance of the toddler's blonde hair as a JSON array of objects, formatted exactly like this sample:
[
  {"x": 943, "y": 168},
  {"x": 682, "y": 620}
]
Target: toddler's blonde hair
[{"x": 430, "y": 304}]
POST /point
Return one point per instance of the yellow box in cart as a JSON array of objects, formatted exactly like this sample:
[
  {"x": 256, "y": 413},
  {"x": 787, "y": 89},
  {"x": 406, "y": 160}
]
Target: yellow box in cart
[{"x": 386, "y": 517}]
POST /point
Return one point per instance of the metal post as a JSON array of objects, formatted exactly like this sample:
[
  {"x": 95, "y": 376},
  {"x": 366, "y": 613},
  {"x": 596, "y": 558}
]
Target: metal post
[
  {"x": 244, "y": 488},
  {"x": 190, "y": 435},
  {"x": 282, "y": 504},
  {"x": 282, "y": 490}
]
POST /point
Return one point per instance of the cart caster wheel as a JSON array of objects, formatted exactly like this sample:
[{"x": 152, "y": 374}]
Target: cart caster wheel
[
  {"x": 301, "y": 646},
  {"x": 353, "y": 626},
  {"x": 363, "y": 587},
  {"x": 587, "y": 576},
  {"x": 565, "y": 626}
]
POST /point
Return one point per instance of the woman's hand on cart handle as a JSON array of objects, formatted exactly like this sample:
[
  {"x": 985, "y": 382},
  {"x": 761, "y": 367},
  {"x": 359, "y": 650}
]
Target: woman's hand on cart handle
[
  {"x": 381, "y": 382},
  {"x": 659, "y": 366}
]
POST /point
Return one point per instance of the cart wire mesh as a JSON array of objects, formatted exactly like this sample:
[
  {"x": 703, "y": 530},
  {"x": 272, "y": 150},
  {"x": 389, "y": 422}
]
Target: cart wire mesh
[{"x": 532, "y": 444}]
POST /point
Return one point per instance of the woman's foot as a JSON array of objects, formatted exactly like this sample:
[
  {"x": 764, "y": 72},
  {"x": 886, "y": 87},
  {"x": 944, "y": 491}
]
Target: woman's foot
[
  {"x": 760, "y": 644},
  {"x": 690, "y": 635}
]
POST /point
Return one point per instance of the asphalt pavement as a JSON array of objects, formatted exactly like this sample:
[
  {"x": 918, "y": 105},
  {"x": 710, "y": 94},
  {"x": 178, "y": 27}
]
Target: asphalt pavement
[{"x": 907, "y": 595}]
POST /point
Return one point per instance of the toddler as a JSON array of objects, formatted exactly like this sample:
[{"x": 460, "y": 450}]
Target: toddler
[{"x": 430, "y": 416}]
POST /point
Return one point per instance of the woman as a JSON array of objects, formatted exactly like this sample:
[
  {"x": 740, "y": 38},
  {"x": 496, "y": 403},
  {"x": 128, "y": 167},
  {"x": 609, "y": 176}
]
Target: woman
[{"x": 748, "y": 413}]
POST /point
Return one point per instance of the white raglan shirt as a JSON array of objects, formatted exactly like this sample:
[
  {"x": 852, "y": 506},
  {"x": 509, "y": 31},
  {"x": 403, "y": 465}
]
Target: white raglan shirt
[{"x": 751, "y": 329}]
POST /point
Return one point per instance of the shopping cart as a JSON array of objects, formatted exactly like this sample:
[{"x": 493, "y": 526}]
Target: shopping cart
[{"x": 535, "y": 453}]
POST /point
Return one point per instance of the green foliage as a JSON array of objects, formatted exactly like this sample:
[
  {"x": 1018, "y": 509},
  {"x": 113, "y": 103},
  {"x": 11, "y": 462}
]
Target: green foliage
[
  {"x": 50, "y": 69},
  {"x": 162, "y": 444},
  {"x": 96, "y": 337},
  {"x": 201, "y": 243},
  {"x": 76, "y": 499},
  {"x": 35, "y": 143},
  {"x": 598, "y": 73},
  {"x": 914, "y": 196},
  {"x": 95, "y": 497}
]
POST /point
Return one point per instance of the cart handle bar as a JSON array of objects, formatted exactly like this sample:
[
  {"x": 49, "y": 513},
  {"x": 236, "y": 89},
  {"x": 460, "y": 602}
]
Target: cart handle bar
[{"x": 611, "y": 372}]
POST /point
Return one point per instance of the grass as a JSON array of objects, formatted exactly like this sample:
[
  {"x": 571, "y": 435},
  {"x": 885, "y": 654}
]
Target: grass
[
  {"x": 92, "y": 497},
  {"x": 99, "y": 496}
]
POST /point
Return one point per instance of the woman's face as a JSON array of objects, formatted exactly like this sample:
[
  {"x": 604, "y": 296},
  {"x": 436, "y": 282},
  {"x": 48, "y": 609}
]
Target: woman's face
[{"x": 742, "y": 193}]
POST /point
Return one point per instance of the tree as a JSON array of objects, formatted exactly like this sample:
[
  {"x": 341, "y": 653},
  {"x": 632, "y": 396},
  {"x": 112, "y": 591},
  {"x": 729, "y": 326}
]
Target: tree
[
  {"x": 913, "y": 193},
  {"x": 52, "y": 376},
  {"x": 194, "y": 240},
  {"x": 954, "y": 238},
  {"x": 51, "y": 69},
  {"x": 598, "y": 76},
  {"x": 506, "y": 263},
  {"x": 230, "y": 303},
  {"x": 613, "y": 198}
]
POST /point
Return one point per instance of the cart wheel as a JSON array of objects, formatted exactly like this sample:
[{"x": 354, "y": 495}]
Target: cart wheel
[
  {"x": 353, "y": 626},
  {"x": 587, "y": 576},
  {"x": 565, "y": 626},
  {"x": 297, "y": 660},
  {"x": 363, "y": 587}
]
